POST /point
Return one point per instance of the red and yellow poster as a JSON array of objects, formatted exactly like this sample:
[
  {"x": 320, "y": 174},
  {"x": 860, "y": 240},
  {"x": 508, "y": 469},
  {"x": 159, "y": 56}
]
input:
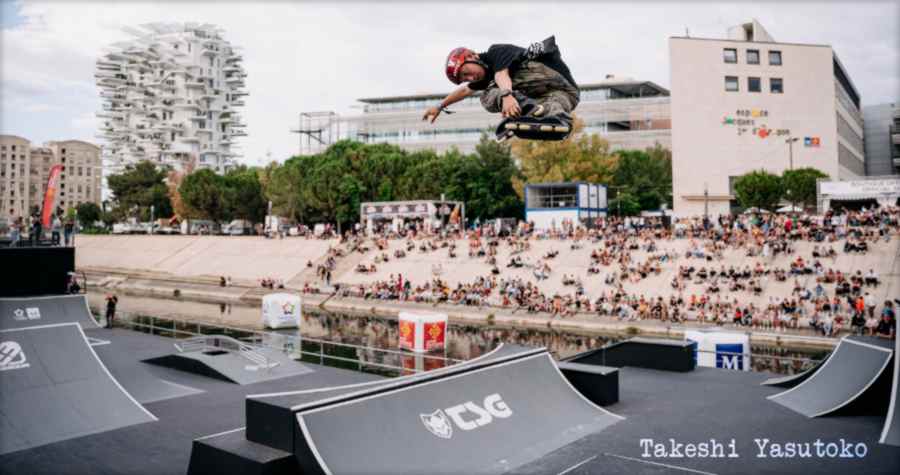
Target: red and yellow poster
[
  {"x": 434, "y": 335},
  {"x": 50, "y": 195},
  {"x": 407, "y": 334}
]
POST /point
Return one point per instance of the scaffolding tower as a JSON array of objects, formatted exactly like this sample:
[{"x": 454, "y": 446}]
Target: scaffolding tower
[{"x": 320, "y": 129}]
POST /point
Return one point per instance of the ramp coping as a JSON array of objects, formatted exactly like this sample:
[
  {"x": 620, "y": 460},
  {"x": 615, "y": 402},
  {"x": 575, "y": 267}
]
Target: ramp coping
[
  {"x": 413, "y": 380},
  {"x": 892, "y": 406},
  {"x": 370, "y": 383},
  {"x": 829, "y": 360},
  {"x": 312, "y": 445}
]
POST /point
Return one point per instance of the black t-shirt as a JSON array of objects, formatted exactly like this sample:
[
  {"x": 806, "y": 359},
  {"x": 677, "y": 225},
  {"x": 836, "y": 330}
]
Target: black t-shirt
[
  {"x": 885, "y": 327},
  {"x": 503, "y": 56}
]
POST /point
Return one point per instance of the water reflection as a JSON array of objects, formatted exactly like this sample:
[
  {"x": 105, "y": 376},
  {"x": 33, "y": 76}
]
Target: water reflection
[{"x": 466, "y": 342}]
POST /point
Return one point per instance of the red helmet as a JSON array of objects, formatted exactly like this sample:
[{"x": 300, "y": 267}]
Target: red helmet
[{"x": 455, "y": 60}]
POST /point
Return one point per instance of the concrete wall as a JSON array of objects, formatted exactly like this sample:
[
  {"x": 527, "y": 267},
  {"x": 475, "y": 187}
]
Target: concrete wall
[
  {"x": 707, "y": 151},
  {"x": 240, "y": 257}
]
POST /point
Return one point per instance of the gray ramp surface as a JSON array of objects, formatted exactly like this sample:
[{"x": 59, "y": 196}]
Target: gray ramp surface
[
  {"x": 54, "y": 387},
  {"x": 891, "y": 433},
  {"x": 852, "y": 367},
  {"x": 33, "y": 311},
  {"x": 488, "y": 420}
]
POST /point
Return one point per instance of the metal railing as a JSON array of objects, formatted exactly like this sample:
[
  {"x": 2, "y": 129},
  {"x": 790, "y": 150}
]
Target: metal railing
[{"x": 290, "y": 344}]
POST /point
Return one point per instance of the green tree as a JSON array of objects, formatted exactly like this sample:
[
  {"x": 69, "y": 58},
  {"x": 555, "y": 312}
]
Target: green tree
[
  {"x": 203, "y": 193},
  {"x": 137, "y": 188},
  {"x": 800, "y": 185},
  {"x": 88, "y": 214},
  {"x": 646, "y": 176},
  {"x": 243, "y": 194},
  {"x": 625, "y": 204},
  {"x": 580, "y": 157},
  {"x": 759, "y": 189}
]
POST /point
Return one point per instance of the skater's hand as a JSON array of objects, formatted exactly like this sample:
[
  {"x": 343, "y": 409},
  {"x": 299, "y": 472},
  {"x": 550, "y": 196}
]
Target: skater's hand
[
  {"x": 511, "y": 107},
  {"x": 433, "y": 113}
]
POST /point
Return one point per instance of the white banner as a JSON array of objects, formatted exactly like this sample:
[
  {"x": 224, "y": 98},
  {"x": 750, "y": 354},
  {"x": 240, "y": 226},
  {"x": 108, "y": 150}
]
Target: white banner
[{"x": 887, "y": 186}]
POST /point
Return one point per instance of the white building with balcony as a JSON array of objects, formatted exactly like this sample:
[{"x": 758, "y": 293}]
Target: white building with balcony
[{"x": 171, "y": 96}]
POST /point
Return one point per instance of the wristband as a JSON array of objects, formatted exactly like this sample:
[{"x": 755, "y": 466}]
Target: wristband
[{"x": 505, "y": 92}]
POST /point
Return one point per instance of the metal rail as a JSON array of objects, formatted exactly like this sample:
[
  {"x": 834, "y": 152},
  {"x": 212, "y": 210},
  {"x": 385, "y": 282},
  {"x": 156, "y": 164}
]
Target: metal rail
[
  {"x": 227, "y": 343},
  {"x": 292, "y": 343}
]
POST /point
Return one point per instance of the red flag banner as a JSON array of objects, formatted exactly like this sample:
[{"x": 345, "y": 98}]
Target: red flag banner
[{"x": 50, "y": 195}]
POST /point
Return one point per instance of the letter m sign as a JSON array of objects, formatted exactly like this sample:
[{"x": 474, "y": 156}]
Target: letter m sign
[{"x": 729, "y": 356}]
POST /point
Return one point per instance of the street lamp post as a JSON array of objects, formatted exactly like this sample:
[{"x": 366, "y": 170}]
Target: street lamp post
[{"x": 790, "y": 141}]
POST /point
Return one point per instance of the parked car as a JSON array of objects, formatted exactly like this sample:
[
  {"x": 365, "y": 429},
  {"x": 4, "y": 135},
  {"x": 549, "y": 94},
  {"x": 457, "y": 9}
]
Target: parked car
[{"x": 238, "y": 227}]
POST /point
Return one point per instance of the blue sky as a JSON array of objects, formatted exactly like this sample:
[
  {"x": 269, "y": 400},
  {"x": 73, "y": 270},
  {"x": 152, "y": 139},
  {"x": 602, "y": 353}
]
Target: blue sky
[
  {"x": 313, "y": 56},
  {"x": 9, "y": 14}
]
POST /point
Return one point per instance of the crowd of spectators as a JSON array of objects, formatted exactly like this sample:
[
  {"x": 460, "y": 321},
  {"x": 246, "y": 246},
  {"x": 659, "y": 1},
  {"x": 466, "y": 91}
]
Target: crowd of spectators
[{"x": 708, "y": 286}]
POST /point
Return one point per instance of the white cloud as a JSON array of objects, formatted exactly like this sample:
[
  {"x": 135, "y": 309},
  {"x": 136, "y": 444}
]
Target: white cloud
[{"x": 320, "y": 56}]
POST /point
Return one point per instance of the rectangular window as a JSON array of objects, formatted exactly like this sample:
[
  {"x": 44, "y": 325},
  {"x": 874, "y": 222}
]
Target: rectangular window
[
  {"x": 776, "y": 86},
  {"x": 752, "y": 56},
  {"x": 731, "y": 83},
  {"x": 753, "y": 85},
  {"x": 730, "y": 55},
  {"x": 775, "y": 58}
]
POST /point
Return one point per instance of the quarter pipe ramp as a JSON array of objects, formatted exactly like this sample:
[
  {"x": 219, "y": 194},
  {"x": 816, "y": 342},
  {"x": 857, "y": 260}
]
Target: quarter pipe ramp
[
  {"x": 54, "y": 387},
  {"x": 488, "y": 415},
  {"x": 33, "y": 311},
  {"x": 853, "y": 367}
]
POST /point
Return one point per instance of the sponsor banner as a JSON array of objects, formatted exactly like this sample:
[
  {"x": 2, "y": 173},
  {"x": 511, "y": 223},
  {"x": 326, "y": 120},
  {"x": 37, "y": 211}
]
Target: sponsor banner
[
  {"x": 422, "y": 332},
  {"x": 50, "y": 195},
  {"x": 860, "y": 187},
  {"x": 725, "y": 350},
  {"x": 407, "y": 334},
  {"x": 434, "y": 335}
]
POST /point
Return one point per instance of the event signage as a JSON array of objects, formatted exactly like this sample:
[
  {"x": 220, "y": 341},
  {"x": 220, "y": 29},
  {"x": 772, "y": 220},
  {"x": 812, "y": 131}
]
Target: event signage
[
  {"x": 860, "y": 187},
  {"x": 749, "y": 121}
]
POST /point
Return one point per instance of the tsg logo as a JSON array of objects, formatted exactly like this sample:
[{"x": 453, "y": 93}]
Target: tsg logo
[
  {"x": 11, "y": 356},
  {"x": 466, "y": 416}
]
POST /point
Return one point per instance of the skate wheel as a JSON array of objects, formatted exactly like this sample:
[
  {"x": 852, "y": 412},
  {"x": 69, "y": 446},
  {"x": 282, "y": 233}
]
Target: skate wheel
[
  {"x": 547, "y": 128},
  {"x": 510, "y": 126},
  {"x": 560, "y": 128},
  {"x": 524, "y": 127}
]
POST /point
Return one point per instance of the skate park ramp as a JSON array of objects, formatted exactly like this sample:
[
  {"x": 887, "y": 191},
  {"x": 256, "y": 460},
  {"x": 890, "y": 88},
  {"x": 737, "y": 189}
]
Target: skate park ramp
[
  {"x": 33, "y": 311},
  {"x": 854, "y": 367},
  {"x": 228, "y": 359},
  {"x": 501, "y": 416},
  {"x": 792, "y": 380},
  {"x": 487, "y": 415},
  {"x": 890, "y": 435},
  {"x": 54, "y": 387}
]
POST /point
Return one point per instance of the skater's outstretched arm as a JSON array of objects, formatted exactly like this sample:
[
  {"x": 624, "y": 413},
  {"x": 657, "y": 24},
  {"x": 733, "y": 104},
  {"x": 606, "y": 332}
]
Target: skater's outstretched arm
[
  {"x": 510, "y": 104},
  {"x": 457, "y": 95}
]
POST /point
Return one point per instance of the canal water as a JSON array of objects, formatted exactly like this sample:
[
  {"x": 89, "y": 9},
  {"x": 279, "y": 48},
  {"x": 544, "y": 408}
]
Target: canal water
[
  {"x": 466, "y": 342},
  {"x": 371, "y": 343}
]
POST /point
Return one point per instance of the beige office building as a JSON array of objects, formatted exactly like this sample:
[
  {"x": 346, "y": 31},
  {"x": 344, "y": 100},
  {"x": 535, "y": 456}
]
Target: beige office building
[
  {"x": 15, "y": 158},
  {"x": 24, "y": 171},
  {"x": 81, "y": 178},
  {"x": 747, "y": 103}
]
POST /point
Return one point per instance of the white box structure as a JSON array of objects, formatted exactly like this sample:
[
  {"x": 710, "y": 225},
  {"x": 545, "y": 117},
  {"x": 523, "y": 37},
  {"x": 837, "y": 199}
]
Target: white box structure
[
  {"x": 422, "y": 332},
  {"x": 281, "y": 311},
  {"x": 171, "y": 96}
]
